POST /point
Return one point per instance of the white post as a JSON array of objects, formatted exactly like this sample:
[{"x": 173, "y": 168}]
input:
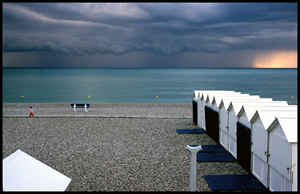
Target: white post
[
  {"x": 74, "y": 107},
  {"x": 85, "y": 107},
  {"x": 193, "y": 168}
]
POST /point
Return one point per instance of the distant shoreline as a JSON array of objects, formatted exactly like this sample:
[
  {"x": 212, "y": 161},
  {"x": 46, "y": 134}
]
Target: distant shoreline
[
  {"x": 159, "y": 110},
  {"x": 289, "y": 103},
  {"x": 140, "y": 68}
]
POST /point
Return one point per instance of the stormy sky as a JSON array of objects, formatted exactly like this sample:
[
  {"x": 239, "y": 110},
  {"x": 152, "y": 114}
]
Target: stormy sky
[{"x": 149, "y": 35}]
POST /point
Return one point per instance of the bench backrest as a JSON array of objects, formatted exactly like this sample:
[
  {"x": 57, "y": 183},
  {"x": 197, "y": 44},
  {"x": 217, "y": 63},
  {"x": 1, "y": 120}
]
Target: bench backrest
[{"x": 80, "y": 105}]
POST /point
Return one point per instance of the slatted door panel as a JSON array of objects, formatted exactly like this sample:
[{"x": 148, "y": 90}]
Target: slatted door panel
[
  {"x": 243, "y": 146},
  {"x": 195, "y": 112},
  {"x": 212, "y": 123}
]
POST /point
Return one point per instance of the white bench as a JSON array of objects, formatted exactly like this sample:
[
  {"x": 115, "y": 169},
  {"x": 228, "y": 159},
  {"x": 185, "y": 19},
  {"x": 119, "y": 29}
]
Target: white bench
[{"x": 85, "y": 106}]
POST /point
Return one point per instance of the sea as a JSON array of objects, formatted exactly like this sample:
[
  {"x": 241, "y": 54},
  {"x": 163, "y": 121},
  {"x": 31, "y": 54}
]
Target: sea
[{"x": 41, "y": 85}]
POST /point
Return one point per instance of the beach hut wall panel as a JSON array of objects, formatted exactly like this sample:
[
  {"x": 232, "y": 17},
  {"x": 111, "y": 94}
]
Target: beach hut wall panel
[
  {"x": 259, "y": 152},
  {"x": 283, "y": 158},
  {"x": 199, "y": 102},
  {"x": 223, "y": 126},
  {"x": 202, "y": 114},
  {"x": 294, "y": 168},
  {"x": 232, "y": 120}
]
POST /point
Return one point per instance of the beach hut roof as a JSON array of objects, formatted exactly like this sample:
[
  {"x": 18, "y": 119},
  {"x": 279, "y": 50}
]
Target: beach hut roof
[
  {"x": 212, "y": 97},
  {"x": 200, "y": 93},
  {"x": 229, "y": 99},
  {"x": 268, "y": 117},
  {"x": 251, "y": 110},
  {"x": 289, "y": 128},
  {"x": 22, "y": 172},
  {"x": 239, "y": 103},
  {"x": 208, "y": 95},
  {"x": 217, "y": 99},
  {"x": 195, "y": 93},
  {"x": 256, "y": 103}
]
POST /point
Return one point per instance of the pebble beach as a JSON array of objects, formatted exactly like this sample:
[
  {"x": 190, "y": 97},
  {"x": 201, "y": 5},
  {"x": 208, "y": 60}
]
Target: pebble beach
[{"x": 112, "y": 147}]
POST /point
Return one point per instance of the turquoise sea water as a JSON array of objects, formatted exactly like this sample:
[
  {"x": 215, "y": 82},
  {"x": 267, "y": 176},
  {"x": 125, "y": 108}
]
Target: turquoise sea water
[{"x": 142, "y": 85}]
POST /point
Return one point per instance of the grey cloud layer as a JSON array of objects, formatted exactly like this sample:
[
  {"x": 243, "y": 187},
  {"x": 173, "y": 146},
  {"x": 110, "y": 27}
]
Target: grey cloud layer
[{"x": 157, "y": 28}]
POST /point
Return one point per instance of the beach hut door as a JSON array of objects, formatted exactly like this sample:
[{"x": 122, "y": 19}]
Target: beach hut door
[
  {"x": 243, "y": 146},
  {"x": 195, "y": 112},
  {"x": 212, "y": 123}
]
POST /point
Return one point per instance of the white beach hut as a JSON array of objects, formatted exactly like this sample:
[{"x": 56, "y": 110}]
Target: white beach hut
[
  {"x": 212, "y": 111},
  {"x": 248, "y": 110},
  {"x": 244, "y": 125},
  {"x": 197, "y": 103},
  {"x": 233, "y": 110},
  {"x": 283, "y": 160},
  {"x": 224, "y": 117},
  {"x": 201, "y": 102},
  {"x": 206, "y": 102},
  {"x": 274, "y": 149},
  {"x": 223, "y": 103}
]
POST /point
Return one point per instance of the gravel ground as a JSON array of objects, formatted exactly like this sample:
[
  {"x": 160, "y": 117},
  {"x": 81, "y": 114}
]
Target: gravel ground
[{"x": 112, "y": 154}]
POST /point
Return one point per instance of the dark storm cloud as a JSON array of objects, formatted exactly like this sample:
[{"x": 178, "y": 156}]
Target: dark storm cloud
[{"x": 167, "y": 29}]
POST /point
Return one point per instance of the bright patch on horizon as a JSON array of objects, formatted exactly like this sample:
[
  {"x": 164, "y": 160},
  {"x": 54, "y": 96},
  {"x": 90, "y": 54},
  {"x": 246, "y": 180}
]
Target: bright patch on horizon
[{"x": 277, "y": 59}]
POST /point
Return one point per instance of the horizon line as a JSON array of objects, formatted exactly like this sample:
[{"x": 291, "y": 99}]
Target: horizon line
[{"x": 149, "y": 67}]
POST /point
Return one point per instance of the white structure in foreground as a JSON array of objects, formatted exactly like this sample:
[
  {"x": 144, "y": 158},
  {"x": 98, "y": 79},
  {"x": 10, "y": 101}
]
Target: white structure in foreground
[
  {"x": 21, "y": 172},
  {"x": 274, "y": 150}
]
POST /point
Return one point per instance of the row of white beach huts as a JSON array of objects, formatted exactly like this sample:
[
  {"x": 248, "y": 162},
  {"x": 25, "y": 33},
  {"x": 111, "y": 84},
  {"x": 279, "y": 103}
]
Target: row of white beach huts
[{"x": 259, "y": 132}]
